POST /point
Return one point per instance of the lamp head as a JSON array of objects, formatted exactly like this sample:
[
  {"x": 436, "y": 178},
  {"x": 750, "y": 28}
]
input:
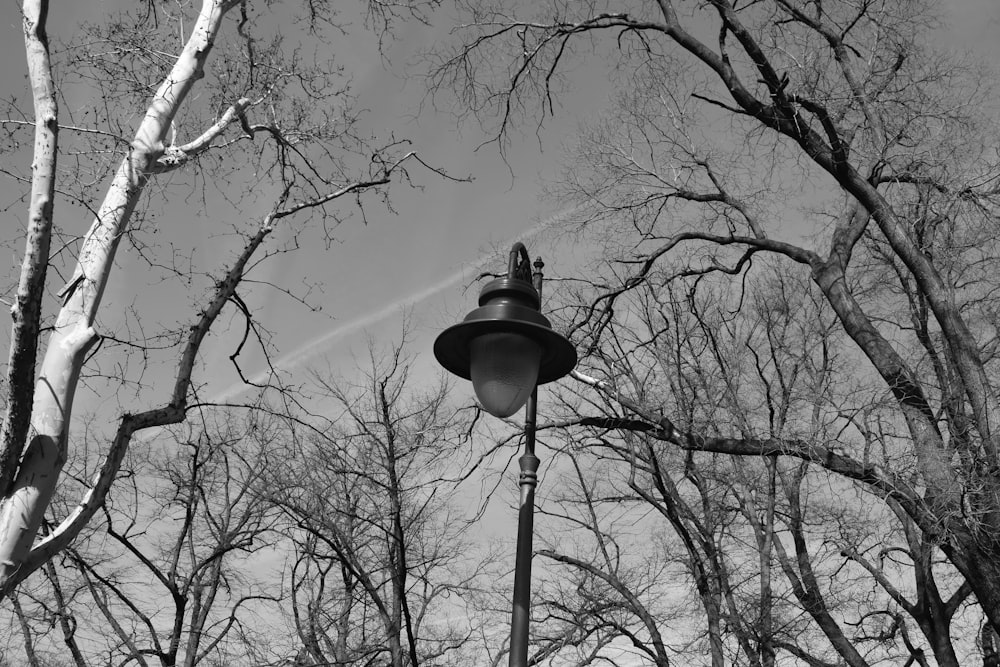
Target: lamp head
[{"x": 505, "y": 346}]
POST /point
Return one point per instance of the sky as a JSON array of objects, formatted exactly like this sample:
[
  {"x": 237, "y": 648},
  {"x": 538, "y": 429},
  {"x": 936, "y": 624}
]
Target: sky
[
  {"x": 427, "y": 252},
  {"x": 424, "y": 258},
  {"x": 427, "y": 257}
]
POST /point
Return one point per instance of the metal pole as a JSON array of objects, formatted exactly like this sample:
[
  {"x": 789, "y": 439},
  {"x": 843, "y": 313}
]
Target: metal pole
[
  {"x": 525, "y": 529},
  {"x": 528, "y": 462}
]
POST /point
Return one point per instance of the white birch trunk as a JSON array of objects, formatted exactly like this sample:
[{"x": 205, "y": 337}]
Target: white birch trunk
[
  {"x": 27, "y": 307},
  {"x": 23, "y": 507}
]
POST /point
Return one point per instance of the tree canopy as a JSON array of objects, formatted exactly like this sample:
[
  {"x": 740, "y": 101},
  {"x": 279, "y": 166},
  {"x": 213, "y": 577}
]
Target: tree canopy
[{"x": 794, "y": 205}]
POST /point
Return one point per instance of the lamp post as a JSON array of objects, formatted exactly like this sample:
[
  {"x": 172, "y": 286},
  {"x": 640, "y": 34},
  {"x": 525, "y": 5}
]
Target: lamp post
[{"x": 507, "y": 348}]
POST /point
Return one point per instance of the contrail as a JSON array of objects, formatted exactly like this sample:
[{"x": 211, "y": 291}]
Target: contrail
[{"x": 317, "y": 345}]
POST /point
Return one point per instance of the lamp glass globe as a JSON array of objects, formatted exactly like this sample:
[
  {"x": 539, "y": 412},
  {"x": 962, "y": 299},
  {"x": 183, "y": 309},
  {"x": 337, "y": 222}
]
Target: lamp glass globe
[{"x": 504, "y": 370}]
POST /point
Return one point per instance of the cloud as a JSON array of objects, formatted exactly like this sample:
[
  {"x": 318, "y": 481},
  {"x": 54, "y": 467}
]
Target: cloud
[{"x": 323, "y": 343}]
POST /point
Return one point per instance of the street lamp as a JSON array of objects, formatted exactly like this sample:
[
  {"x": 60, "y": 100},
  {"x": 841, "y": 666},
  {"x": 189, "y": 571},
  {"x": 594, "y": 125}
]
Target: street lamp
[{"x": 507, "y": 348}]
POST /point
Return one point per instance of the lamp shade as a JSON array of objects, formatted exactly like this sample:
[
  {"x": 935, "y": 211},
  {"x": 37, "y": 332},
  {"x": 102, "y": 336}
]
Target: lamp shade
[{"x": 496, "y": 344}]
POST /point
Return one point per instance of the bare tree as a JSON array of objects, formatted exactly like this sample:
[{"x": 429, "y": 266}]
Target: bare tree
[
  {"x": 827, "y": 136},
  {"x": 261, "y": 119},
  {"x": 180, "y": 570},
  {"x": 691, "y": 556},
  {"x": 383, "y": 573}
]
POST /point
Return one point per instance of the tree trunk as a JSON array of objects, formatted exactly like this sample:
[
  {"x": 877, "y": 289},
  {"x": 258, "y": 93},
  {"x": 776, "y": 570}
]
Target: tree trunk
[{"x": 35, "y": 481}]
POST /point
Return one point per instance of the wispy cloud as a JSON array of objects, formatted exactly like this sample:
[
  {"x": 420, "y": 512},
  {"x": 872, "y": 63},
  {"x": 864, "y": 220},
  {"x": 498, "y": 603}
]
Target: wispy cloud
[{"x": 324, "y": 342}]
